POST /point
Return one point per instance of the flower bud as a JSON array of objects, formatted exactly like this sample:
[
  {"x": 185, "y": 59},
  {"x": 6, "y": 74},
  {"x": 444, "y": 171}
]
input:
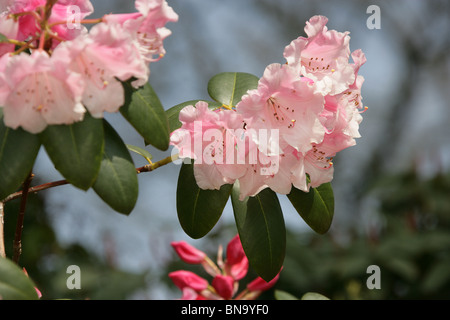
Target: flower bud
[
  {"x": 183, "y": 279},
  {"x": 237, "y": 262},
  {"x": 188, "y": 253},
  {"x": 224, "y": 286},
  {"x": 191, "y": 294},
  {"x": 259, "y": 284}
]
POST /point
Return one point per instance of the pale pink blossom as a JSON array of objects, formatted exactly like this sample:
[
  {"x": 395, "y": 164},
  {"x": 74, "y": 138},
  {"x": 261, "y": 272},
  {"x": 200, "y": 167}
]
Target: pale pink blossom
[
  {"x": 273, "y": 171},
  {"x": 147, "y": 26},
  {"x": 104, "y": 57},
  {"x": 61, "y": 13},
  {"x": 9, "y": 28},
  {"x": 210, "y": 138},
  {"x": 41, "y": 91},
  {"x": 322, "y": 57},
  {"x": 284, "y": 102},
  {"x": 5, "y": 4},
  {"x": 4, "y": 88},
  {"x": 29, "y": 26}
]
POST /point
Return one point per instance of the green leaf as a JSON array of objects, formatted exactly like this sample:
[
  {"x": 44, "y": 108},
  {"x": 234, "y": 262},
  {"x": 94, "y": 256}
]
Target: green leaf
[
  {"x": 198, "y": 209},
  {"x": 117, "y": 182},
  {"x": 283, "y": 295},
  {"x": 145, "y": 113},
  {"x": 140, "y": 151},
  {"x": 229, "y": 87},
  {"x": 76, "y": 150},
  {"x": 18, "y": 151},
  {"x": 436, "y": 276},
  {"x": 262, "y": 231},
  {"x": 14, "y": 284},
  {"x": 316, "y": 207},
  {"x": 174, "y": 112},
  {"x": 314, "y": 296}
]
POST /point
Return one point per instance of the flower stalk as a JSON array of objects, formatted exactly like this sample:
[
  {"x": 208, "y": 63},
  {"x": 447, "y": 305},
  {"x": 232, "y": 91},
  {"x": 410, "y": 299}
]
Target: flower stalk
[{"x": 17, "y": 245}]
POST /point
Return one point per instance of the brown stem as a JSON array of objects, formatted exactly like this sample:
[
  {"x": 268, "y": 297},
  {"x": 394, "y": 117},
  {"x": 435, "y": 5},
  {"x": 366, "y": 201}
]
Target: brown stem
[
  {"x": 17, "y": 245},
  {"x": 2, "y": 235},
  {"x": 45, "y": 186},
  {"x": 41, "y": 187},
  {"x": 156, "y": 165}
]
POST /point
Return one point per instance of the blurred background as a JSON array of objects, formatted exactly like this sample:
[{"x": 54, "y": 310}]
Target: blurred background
[{"x": 392, "y": 190}]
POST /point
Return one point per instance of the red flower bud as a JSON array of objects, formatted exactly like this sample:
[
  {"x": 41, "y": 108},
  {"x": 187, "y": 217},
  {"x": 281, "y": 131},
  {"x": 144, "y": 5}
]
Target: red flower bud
[
  {"x": 259, "y": 284},
  {"x": 183, "y": 279},
  {"x": 188, "y": 253},
  {"x": 237, "y": 262},
  {"x": 224, "y": 286}
]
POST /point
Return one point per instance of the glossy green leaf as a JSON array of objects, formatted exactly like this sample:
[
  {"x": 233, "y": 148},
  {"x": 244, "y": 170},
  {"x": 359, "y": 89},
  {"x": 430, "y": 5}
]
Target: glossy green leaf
[
  {"x": 140, "y": 151},
  {"x": 18, "y": 151},
  {"x": 283, "y": 295},
  {"x": 76, "y": 150},
  {"x": 174, "y": 112},
  {"x": 314, "y": 296},
  {"x": 144, "y": 111},
  {"x": 262, "y": 231},
  {"x": 229, "y": 87},
  {"x": 316, "y": 207},
  {"x": 117, "y": 182},
  {"x": 198, "y": 209},
  {"x": 14, "y": 284}
]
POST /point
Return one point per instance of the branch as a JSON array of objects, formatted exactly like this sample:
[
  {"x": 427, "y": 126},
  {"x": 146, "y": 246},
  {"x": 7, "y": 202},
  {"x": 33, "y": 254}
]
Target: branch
[
  {"x": 2, "y": 235},
  {"x": 45, "y": 186},
  {"x": 17, "y": 246},
  {"x": 41, "y": 187},
  {"x": 156, "y": 165}
]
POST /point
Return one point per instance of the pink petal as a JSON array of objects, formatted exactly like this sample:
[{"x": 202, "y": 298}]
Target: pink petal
[
  {"x": 183, "y": 279},
  {"x": 224, "y": 286},
  {"x": 188, "y": 253}
]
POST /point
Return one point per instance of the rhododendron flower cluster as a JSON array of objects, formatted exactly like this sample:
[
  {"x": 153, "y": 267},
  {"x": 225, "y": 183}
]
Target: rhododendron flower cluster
[
  {"x": 285, "y": 132},
  {"x": 226, "y": 274},
  {"x": 53, "y": 72}
]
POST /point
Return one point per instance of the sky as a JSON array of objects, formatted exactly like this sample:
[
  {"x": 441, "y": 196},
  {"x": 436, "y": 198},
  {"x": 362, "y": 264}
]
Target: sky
[{"x": 214, "y": 36}]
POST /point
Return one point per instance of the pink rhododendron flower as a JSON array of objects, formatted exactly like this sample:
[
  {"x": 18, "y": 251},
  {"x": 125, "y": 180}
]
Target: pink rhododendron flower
[
  {"x": 297, "y": 119},
  {"x": 210, "y": 137},
  {"x": 60, "y": 13},
  {"x": 286, "y": 103},
  {"x": 104, "y": 56},
  {"x": 41, "y": 91},
  {"x": 9, "y": 28},
  {"x": 60, "y": 69},
  {"x": 4, "y": 89},
  {"x": 147, "y": 26},
  {"x": 225, "y": 282},
  {"x": 274, "y": 172},
  {"x": 322, "y": 57}
]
